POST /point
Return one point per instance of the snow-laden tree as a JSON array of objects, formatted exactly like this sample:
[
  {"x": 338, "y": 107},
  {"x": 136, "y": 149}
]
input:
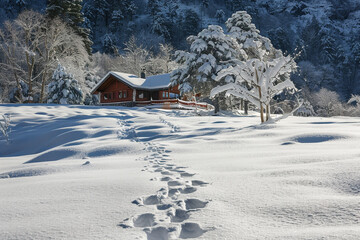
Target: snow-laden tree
[
  {"x": 64, "y": 89},
  {"x": 59, "y": 42},
  {"x": 162, "y": 62},
  {"x": 326, "y": 103},
  {"x": 30, "y": 47},
  {"x": 241, "y": 28},
  {"x": 210, "y": 52},
  {"x": 70, "y": 12},
  {"x": 257, "y": 81},
  {"x": 220, "y": 15},
  {"x": 15, "y": 93},
  {"x": 305, "y": 110},
  {"x": 354, "y": 99},
  {"x": 116, "y": 18},
  {"x": 251, "y": 45},
  {"x": 135, "y": 57},
  {"x": 108, "y": 45},
  {"x": 5, "y": 126},
  {"x": 19, "y": 41},
  {"x": 90, "y": 82},
  {"x": 158, "y": 25}
]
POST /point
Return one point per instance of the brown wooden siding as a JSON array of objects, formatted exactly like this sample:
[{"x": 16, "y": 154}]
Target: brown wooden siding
[{"x": 113, "y": 90}]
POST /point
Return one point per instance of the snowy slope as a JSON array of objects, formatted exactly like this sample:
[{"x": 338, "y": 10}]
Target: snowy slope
[{"x": 158, "y": 174}]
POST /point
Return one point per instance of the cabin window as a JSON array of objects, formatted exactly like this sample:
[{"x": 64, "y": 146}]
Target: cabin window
[
  {"x": 174, "y": 95},
  {"x": 165, "y": 94},
  {"x": 141, "y": 95},
  {"x": 107, "y": 96},
  {"x": 122, "y": 94}
]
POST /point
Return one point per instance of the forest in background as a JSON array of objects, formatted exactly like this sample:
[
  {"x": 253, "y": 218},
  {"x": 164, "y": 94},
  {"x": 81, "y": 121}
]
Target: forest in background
[{"x": 327, "y": 30}]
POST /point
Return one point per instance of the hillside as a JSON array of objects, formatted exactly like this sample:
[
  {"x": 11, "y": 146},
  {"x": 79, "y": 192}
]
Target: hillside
[{"x": 328, "y": 30}]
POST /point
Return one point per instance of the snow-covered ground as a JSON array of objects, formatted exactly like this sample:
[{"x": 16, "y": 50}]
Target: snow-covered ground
[{"x": 75, "y": 172}]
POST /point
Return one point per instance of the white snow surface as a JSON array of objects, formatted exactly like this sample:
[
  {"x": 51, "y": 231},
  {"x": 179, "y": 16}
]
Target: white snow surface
[{"x": 72, "y": 172}]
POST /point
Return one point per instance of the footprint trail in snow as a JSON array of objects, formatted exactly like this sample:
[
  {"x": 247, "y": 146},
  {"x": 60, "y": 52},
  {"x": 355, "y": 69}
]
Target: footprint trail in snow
[{"x": 172, "y": 205}]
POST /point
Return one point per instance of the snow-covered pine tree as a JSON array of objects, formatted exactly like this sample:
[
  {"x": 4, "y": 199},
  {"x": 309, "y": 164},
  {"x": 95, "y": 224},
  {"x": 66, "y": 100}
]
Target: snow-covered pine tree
[
  {"x": 220, "y": 15},
  {"x": 116, "y": 18},
  {"x": 159, "y": 25},
  {"x": 262, "y": 72},
  {"x": 241, "y": 28},
  {"x": 16, "y": 94},
  {"x": 70, "y": 12},
  {"x": 64, "y": 89},
  {"x": 210, "y": 52},
  {"x": 108, "y": 45},
  {"x": 191, "y": 23},
  {"x": 20, "y": 4},
  {"x": 305, "y": 110},
  {"x": 327, "y": 45}
]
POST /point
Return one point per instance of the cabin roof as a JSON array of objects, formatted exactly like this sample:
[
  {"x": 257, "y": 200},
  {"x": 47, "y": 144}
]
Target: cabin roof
[{"x": 155, "y": 82}]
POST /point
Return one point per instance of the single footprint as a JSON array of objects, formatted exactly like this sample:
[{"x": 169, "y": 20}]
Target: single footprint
[
  {"x": 178, "y": 215},
  {"x": 191, "y": 230},
  {"x": 193, "y": 203},
  {"x": 173, "y": 192},
  {"x": 159, "y": 233},
  {"x": 187, "y": 190},
  {"x": 175, "y": 183},
  {"x": 185, "y": 174},
  {"x": 166, "y": 179},
  {"x": 144, "y": 220},
  {"x": 150, "y": 200}
]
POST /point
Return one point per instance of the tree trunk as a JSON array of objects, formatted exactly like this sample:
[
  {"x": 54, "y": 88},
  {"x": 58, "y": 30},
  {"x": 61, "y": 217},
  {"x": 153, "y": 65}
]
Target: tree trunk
[
  {"x": 260, "y": 95},
  {"x": 43, "y": 81},
  {"x": 246, "y": 107},
  {"x": 262, "y": 112},
  {"x": 19, "y": 90},
  {"x": 217, "y": 105},
  {"x": 267, "y": 112}
]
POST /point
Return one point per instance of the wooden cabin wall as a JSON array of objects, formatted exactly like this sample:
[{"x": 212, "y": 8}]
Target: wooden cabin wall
[{"x": 113, "y": 89}]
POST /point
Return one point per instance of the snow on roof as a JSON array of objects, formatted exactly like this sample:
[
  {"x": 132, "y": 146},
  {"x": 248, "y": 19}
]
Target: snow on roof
[
  {"x": 150, "y": 83},
  {"x": 131, "y": 79},
  {"x": 157, "y": 81}
]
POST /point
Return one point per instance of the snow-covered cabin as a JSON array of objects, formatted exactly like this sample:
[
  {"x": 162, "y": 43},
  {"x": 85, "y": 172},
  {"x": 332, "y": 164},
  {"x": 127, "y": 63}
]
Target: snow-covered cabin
[{"x": 119, "y": 88}]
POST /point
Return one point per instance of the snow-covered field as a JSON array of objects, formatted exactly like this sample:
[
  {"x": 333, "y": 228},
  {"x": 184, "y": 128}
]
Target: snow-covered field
[{"x": 74, "y": 172}]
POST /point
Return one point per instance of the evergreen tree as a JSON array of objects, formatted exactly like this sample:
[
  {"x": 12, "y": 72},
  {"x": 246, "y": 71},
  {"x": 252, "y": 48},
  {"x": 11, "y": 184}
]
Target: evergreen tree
[
  {"x": 220, "y": 15},
  {"x": 191, "y": 23},
  {"x": 108, "y": 45},
  {"x": 64, "y": 89},
  {"x": 279, "y": 39},
  {"x": 259, "y": 72},
  {"x": 327, "y": 45},
  {"x": 116, "y": 18},
  {"x": 210, "y": 52},
  {"x": 241, "y": 28},
  {"x": 70, "y": 12}
]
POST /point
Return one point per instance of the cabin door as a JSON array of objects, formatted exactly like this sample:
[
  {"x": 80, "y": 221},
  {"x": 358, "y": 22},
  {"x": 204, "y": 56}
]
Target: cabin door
[{"x": 154, "y": 95}]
